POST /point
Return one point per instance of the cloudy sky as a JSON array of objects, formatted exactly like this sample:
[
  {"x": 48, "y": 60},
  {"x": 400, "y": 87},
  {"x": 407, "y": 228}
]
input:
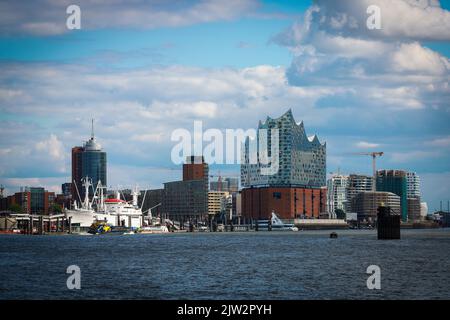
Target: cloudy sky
[{"x": 145, "y": 68}]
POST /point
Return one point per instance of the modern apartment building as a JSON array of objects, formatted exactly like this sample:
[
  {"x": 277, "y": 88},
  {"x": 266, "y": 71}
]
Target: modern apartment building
[
  {"x": 356, "y": 183},
  {"x": 336, "y": 193},
  {"x": 412, "y": 185}
]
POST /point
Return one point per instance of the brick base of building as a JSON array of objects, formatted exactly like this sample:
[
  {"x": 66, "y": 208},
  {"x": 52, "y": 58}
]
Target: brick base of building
[{"x": 287, "y": 202}]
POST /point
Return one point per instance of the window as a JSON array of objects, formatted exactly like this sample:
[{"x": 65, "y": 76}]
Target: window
[{"x": 277, "y": 195}]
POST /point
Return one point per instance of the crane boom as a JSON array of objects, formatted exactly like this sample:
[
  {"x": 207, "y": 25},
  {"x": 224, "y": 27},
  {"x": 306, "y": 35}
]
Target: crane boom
[{"x": 374, "y": 156}]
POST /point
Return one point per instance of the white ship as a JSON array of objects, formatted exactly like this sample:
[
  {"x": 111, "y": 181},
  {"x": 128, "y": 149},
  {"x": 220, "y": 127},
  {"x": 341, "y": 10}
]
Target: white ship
[
  {"x": 83, "y": 216},
  {"x": 116, "y": 212}
]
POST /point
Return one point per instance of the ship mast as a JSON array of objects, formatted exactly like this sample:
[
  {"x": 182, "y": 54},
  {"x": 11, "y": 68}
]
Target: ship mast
[{"x": 86, "y": 185}]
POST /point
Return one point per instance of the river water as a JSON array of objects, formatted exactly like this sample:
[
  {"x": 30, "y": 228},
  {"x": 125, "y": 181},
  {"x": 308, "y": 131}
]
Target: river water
[{"x": 247, "y": 265}]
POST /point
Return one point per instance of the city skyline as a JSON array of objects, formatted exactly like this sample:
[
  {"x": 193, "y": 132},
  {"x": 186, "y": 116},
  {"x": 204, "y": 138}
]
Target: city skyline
[{"x": 389, "y": 92}]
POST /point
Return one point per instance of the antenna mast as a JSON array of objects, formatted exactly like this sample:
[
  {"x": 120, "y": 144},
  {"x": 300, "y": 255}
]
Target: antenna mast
[{"x": 92, "y": 128}]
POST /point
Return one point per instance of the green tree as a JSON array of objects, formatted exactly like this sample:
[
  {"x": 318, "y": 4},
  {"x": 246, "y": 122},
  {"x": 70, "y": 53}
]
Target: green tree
[
  {"x": 340, "y": 214},
  {"x": 15, "y": 208},
  {"x": 55, "y": 208}
]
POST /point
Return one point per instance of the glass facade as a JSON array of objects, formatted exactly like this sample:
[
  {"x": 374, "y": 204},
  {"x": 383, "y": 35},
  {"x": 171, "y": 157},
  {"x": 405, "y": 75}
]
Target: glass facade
[
  {"x": 302, "y": 160},
  {"x": 394, "y": 181},
  {"x": 94, "y": 167},
  {"x": 88, "y": 161},
  {"x": 37, "y": 200}
]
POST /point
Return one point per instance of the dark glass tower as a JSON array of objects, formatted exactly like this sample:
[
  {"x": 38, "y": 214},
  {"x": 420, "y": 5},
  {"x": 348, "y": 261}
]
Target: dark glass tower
[{"x": 90, "y": 161}]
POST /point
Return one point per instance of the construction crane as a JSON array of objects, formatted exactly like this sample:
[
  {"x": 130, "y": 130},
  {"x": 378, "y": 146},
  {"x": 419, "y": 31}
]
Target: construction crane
[{"x": 374, "y": 155}]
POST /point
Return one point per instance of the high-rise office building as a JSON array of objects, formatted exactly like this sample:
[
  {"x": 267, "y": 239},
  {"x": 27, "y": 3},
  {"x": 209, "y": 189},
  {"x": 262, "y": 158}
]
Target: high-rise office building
[
  {"x": 337, "y": 193},
  {"x": 394, "y": 181},
  {"x": 296, "y": 189},
  {"x": 88, "y": 161},
  {"x": 76, "y": 172}
]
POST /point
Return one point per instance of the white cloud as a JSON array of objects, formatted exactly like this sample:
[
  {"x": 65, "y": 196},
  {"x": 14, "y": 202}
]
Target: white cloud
[
  {"x": 48, "y": 17},
  {"x": 135, "y": 111},
  {"x": 366, "y": 145},
  {"x": 387, "y": 68},
  {"x": 410, "y": 156},
  {"x": 412, "y": 57},
  {"x": 53, "y": 147},
  {"x": 400, "y": 19},
  {"x": 441, "y": 142}
]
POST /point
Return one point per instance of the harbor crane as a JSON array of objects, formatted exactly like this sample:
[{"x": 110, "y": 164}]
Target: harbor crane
[{"x": 374, "y": 155}]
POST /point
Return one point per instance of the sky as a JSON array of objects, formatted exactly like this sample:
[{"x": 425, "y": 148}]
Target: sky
[{"x": 144, "y": 69}]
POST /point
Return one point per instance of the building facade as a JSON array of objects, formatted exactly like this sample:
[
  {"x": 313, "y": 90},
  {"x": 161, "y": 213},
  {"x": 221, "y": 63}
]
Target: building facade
[
  {"x": 301, "y": 160},
  {"x": 66, "y": 189},
  {"x": 412, "y": 185},
  {"x": 228, "y": 184},
  {"x": 356, "y": 183},
  {"x": 185, "y": 200},
  {"x": 296, "y": 189},
  {"x": 394, "y": 181},
  {"x": 414, "y": 209},
  {"x": 195, "y": 168},
  {"x": 366, "y": 204},
  {"x": 188, "y": 199},
  {"x": 32, "y": 200},
  {"x": 337, "y": 193},
  {"x": 286, "y": 202},
  {"x": 217, "y": 202},
  {"x": 151, "y": 199}
]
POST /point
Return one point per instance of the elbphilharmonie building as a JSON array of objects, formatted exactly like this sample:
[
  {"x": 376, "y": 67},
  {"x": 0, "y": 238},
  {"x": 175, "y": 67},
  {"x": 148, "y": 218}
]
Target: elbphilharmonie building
[{"x": 283, "y": 171}]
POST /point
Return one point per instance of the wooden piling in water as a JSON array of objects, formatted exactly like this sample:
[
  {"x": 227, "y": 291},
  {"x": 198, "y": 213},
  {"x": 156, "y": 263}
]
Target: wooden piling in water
[
  {"x": 31, "y": 224},
  {"x": 388, "y": 224},
  {"x": 41, "y": 225}
]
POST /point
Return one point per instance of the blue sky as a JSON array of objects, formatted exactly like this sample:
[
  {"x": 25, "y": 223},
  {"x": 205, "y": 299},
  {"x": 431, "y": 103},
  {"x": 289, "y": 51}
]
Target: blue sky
[{"x": 146, "y": 70}]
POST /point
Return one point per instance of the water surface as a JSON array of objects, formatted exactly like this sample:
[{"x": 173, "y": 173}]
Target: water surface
[{"x": 247, "y": 265}]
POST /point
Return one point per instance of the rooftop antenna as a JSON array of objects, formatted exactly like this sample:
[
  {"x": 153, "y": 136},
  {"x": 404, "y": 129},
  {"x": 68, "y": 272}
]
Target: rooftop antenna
[{"x": 92, "y": 128}]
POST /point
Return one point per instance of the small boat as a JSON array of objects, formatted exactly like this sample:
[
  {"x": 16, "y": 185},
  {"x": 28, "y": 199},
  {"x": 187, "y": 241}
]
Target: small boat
[
  {"x": 153, "y": 229},
  {"x": 99, "y": 227},
  {"x": 275, "y": 224}
]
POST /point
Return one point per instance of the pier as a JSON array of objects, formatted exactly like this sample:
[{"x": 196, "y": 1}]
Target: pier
[{"x": 42, "y": 224}]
